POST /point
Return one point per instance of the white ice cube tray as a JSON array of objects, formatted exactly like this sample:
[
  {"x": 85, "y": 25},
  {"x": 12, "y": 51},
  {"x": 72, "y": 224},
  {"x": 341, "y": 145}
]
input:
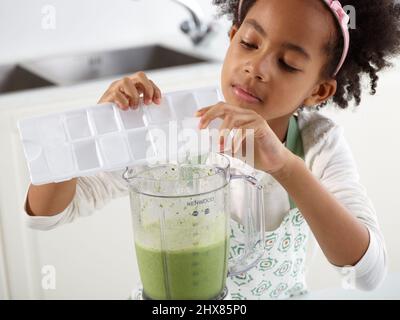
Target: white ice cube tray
[{"x": 102, "y": 137}]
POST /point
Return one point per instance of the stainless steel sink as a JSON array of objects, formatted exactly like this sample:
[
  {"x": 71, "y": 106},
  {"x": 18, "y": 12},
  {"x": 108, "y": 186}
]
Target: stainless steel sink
[
  {"x": 15, "y": 78},
  {"x": 79, "y": 68},
  {"x": 67, "y": 70}
]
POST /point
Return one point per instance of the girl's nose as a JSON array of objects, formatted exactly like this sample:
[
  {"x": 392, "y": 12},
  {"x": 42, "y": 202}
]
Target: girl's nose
[
  {"x": 250, "y": 71},
  {"x": 257, "y": 68}
]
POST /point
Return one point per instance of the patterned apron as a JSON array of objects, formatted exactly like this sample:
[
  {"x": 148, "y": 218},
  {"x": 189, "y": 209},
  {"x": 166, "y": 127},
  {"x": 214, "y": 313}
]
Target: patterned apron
[{"x": 280, "y": 273}]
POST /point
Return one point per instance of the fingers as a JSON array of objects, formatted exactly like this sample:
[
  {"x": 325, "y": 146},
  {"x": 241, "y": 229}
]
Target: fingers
[
  {"x": 121, "y": 100},
  {"x": 151, "y": 93},
  {"x": 157, "y": 93},
  {"x": 216, "y": 111},
  {"x": 222, "y": 110},
  {"x": 233, "y": 139},
  {"x": 116, "y": 97},
  {"x": 201, "y": 111},
  {"x": 128, "y": 88},
  {"x": 235, "y": 120},
  {"x": 127, "y": 91},
  {"x": 231, "y": 132}
]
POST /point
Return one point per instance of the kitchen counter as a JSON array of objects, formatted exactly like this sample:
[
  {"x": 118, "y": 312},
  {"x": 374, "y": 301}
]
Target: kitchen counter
[{"x": 389, "y": 290}]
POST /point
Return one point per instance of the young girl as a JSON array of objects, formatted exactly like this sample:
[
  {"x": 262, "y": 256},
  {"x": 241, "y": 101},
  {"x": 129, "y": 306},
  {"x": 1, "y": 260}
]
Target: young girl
[{"x": 286, "y": 59}]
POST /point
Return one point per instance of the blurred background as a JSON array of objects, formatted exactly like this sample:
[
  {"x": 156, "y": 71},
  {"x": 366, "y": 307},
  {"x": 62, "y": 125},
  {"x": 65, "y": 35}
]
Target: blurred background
[{"x": 60, "y": 55}]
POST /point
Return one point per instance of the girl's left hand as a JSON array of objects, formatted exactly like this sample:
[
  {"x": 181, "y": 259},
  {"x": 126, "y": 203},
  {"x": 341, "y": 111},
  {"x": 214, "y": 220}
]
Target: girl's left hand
[{"x": 270, "y": 154}]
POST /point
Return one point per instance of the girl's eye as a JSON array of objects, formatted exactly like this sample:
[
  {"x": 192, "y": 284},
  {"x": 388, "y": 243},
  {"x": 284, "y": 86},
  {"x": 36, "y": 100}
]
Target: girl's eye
[
  {"x": 282, "y": 63},
  {"x": 248, "y": 45},
  {"x": 287, "y": 67}
]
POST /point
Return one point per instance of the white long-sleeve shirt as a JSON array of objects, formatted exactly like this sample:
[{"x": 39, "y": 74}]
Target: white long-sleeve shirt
[{"x": 327, "y": 156}]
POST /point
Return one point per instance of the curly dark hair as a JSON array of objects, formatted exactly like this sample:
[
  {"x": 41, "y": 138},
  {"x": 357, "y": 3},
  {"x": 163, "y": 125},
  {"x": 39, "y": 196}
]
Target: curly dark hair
[{"x": 374, "y": 41}]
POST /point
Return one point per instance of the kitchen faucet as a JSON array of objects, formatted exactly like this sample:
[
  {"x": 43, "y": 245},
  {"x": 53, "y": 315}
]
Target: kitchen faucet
[{"x": 195, "y": 27}]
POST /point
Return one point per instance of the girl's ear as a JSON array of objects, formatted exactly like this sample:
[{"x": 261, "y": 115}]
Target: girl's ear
[
  {"x": 321, "y": 93},
  {"x": 232, "y": 32}
]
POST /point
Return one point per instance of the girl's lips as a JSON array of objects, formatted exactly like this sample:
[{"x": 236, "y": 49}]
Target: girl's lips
[{"x": 244, "y": 95}]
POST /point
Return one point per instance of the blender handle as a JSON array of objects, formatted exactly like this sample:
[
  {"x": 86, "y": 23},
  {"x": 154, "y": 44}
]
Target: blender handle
[{"x": 255, "y": 244}]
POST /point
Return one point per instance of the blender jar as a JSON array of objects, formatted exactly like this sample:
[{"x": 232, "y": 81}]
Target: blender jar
[{"x": 181, "y": 222}]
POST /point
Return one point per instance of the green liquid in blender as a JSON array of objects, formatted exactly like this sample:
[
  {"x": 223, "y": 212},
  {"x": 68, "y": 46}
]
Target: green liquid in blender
[{"x": 194, "y": 273}]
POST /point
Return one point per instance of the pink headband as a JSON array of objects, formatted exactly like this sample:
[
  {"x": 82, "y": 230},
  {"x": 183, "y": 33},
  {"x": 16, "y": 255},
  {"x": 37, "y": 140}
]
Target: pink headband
[{"x": 343, "y": 20}]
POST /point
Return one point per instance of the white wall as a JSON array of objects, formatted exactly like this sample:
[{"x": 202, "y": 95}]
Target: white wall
[
  {"x": 82, "y": 25},
  {"x": 372, "y": 131}
]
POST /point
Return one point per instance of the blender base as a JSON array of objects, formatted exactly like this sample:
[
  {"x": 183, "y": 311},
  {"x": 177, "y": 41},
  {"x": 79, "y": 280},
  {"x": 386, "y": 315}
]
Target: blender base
[{"x": 138, "y": 294}]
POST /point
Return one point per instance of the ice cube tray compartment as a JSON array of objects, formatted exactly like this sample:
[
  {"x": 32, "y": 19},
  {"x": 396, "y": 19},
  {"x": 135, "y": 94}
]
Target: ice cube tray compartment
[
  {"x": 102, "y": 137},
  {"x": 52, "y": 129},
  {"x": 60, "y": 166},
  {"x": 104, "y": 119},
  {"x": 165, "y": 140},
  {"x": 132, "y": 118},
  {"x": 78, "y": 126},
  {"x": 140, "y": 144},
  {"x": 160, "y": 113},
  {"x": 207, "y": 97},
  {"x": 185, "y": 105},
  {"x": 39, "y": 170},
  {"x": 87, "y": 155},
  {"x": 114, "y": 150}
]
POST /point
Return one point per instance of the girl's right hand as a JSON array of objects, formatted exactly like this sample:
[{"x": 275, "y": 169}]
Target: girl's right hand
[{"x": 125, "y": 93}]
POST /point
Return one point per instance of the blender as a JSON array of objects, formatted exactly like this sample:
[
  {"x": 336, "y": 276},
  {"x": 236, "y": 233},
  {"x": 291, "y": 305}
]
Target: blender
[{"x": 181, "y": 222}]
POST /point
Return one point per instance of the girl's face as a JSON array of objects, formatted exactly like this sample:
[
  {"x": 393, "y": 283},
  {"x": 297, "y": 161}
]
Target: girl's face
[{"x": 277, "y": 55}]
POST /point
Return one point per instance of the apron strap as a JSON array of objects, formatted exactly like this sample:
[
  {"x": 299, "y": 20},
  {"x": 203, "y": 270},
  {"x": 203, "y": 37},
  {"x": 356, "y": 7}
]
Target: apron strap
[{"x": 294, "y": 143}]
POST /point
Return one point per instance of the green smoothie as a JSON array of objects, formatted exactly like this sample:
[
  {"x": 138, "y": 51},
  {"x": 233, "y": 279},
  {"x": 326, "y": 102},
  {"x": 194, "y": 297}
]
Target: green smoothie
[{"x": 194, "y": 273}]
